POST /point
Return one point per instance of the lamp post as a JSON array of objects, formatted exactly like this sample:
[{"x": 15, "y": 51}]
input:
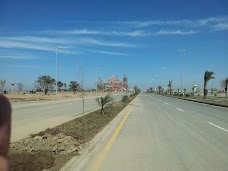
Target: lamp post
[
  {"x": 156, "y": 80},
  {"x": 57, "y": 49},
  {"x": 97, "y": 80},
  {"x": 182, "y": 51},
  {"x": 163, "y": 76}
]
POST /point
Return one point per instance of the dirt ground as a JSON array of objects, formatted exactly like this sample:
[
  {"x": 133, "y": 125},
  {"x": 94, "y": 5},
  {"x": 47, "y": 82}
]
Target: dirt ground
[
  {"x": 16, "y": 98},
  {"x": 50, "y": 150}
]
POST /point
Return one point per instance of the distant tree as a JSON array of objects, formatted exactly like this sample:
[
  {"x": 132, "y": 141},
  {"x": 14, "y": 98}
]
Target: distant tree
[
  {"x": 224, "y": 84},
  {"x": 136, "y": 89},
  {"x": 208, "y": 75},
  {"x": 45, "y": 83},
  {"x": 59, "y": 85},
  {"x": 65, "y": 86},
  {"x": 3, "y": 83},
  {"x": 159, "y": 89},
  {"x": 73, "y": 86},
  {"x": 20, "y": 86},
  {"x": 102, "y": 101},
  {"x": 149, "y": 90},
  {"x": 185, "y": 90},
  {"x": 170, "y": 87},
  {"x": 100, "y": 85}
]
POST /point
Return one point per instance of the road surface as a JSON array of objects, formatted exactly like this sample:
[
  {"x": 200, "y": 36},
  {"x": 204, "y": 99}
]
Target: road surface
[
  {"x": 36, "y": 117},
  {"x": 162, "y": 133}
]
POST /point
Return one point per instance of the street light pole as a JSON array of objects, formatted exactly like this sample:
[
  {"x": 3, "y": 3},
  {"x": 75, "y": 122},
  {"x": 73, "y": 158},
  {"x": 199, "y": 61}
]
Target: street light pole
[
  {"x": 181, "y": 54},
  {"x": 56, "y": 77},
  {"x": 155, "y": 79},
  {"x": 97, "y": 69},
  {"x": 163, "y": 76}
]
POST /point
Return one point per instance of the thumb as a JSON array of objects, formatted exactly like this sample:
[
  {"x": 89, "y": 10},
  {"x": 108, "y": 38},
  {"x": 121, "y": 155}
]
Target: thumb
[{"x": 5, "y": 125}]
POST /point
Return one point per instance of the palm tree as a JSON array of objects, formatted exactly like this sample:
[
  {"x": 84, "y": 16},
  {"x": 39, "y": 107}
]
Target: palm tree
[
  {"x": 224, "y": 84},
  {"x": 136, "y": 90},
  {"x": 159, "y": 89},
  {"x": 170, "y": 87},
  {"x": 3, "y": 82},
  {"x": 208, "y": 75},
  {"x": 102, "y": 101}
]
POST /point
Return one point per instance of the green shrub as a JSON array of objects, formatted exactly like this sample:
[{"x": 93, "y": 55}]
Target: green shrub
[
  {"x": 187, "y": 95},
  {"x": 125, "y": 98}
]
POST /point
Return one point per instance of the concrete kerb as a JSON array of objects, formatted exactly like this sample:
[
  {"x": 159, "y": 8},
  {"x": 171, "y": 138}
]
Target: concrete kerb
[
  {"x": 196, "y": 101},
  {"x": 78, "y": 162}
]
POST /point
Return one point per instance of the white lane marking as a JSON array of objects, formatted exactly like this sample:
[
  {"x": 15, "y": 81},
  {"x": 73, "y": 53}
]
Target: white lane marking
[
  {"x": 166, "y": 103},
  {"x": 218, "y": 127},
  {"x": 180, "y": 109}
]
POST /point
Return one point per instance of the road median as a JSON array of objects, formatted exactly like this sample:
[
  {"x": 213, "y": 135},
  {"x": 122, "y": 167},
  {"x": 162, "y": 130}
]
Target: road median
[
  {"x": 201, "y": 101},
  {"x": 72, "y": 141}
]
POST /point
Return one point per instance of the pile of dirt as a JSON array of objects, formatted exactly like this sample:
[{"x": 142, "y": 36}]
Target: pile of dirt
[
  {"x": 43, "y": 150},
  {"x": 25, "y": 161},
  {"x": 117, "y": 104},
  {"x": 57, "y": 144}
]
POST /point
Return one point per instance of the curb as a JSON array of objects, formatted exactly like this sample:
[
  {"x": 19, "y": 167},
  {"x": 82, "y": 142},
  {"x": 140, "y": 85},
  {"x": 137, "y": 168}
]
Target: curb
[
  {"x": 196, "y": 101},
  {"x": 78, "y": 162}
]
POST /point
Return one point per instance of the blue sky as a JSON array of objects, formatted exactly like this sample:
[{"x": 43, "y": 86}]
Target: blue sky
[{"x": 137, "y": 38}]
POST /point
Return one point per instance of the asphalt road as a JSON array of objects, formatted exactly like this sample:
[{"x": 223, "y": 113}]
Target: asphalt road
[
  {"x": 36, "y": 117},
  {"x": 162, "y": 133}
]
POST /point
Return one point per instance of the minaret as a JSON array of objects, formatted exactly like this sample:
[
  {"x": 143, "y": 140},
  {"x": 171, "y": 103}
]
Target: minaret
[{"x": 125, "y": 82}]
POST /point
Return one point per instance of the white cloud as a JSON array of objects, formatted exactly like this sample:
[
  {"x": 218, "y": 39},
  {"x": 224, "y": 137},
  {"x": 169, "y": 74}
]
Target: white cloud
[
  {"x": 176, "y": 32},
  {"x": 91, "y": 41},
  {"x": 71, "y": 32},
  {"x": 211, "y": 20},
  {"x": 214, "y": 23},
  {"x": 36, "y": 43},
  {"x": 37, "y": 39},
  {"x": 18, "y": 56},
  {"x": 133, "y": 33},
  {"x": 109, "y": 53},
  {"x": 95, "y": 32},
  {"x": 14, "y": 44},
  {"x": 70, "y": 45},
  {"x": 221, "y": 27},
  {"x": 207, "y": 22}
]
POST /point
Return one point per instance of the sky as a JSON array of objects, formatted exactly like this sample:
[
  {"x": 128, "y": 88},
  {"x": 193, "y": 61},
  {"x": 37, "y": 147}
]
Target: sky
[{"x": 112, "y": 38}]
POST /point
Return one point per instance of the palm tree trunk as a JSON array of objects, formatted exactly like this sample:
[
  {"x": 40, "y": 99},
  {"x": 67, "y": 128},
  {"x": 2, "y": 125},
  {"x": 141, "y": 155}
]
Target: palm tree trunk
[
  {"x": 205, "y": 91},
  {"x": 102, "y": 109},
  {"x": 226, "y": 91}
]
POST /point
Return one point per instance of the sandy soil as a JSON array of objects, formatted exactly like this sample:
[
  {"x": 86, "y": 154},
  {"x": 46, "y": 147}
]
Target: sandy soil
[{"x": 16, "y": 98}]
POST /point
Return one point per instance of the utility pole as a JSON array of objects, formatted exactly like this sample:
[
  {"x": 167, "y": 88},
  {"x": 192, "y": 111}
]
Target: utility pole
[
  {"x": 182, "y": 51},
  {"x": 57, "y": 49}
]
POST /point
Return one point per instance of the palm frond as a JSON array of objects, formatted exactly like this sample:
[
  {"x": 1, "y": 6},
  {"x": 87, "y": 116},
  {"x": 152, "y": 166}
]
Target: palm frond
[{"x": 99, "y": 101}]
